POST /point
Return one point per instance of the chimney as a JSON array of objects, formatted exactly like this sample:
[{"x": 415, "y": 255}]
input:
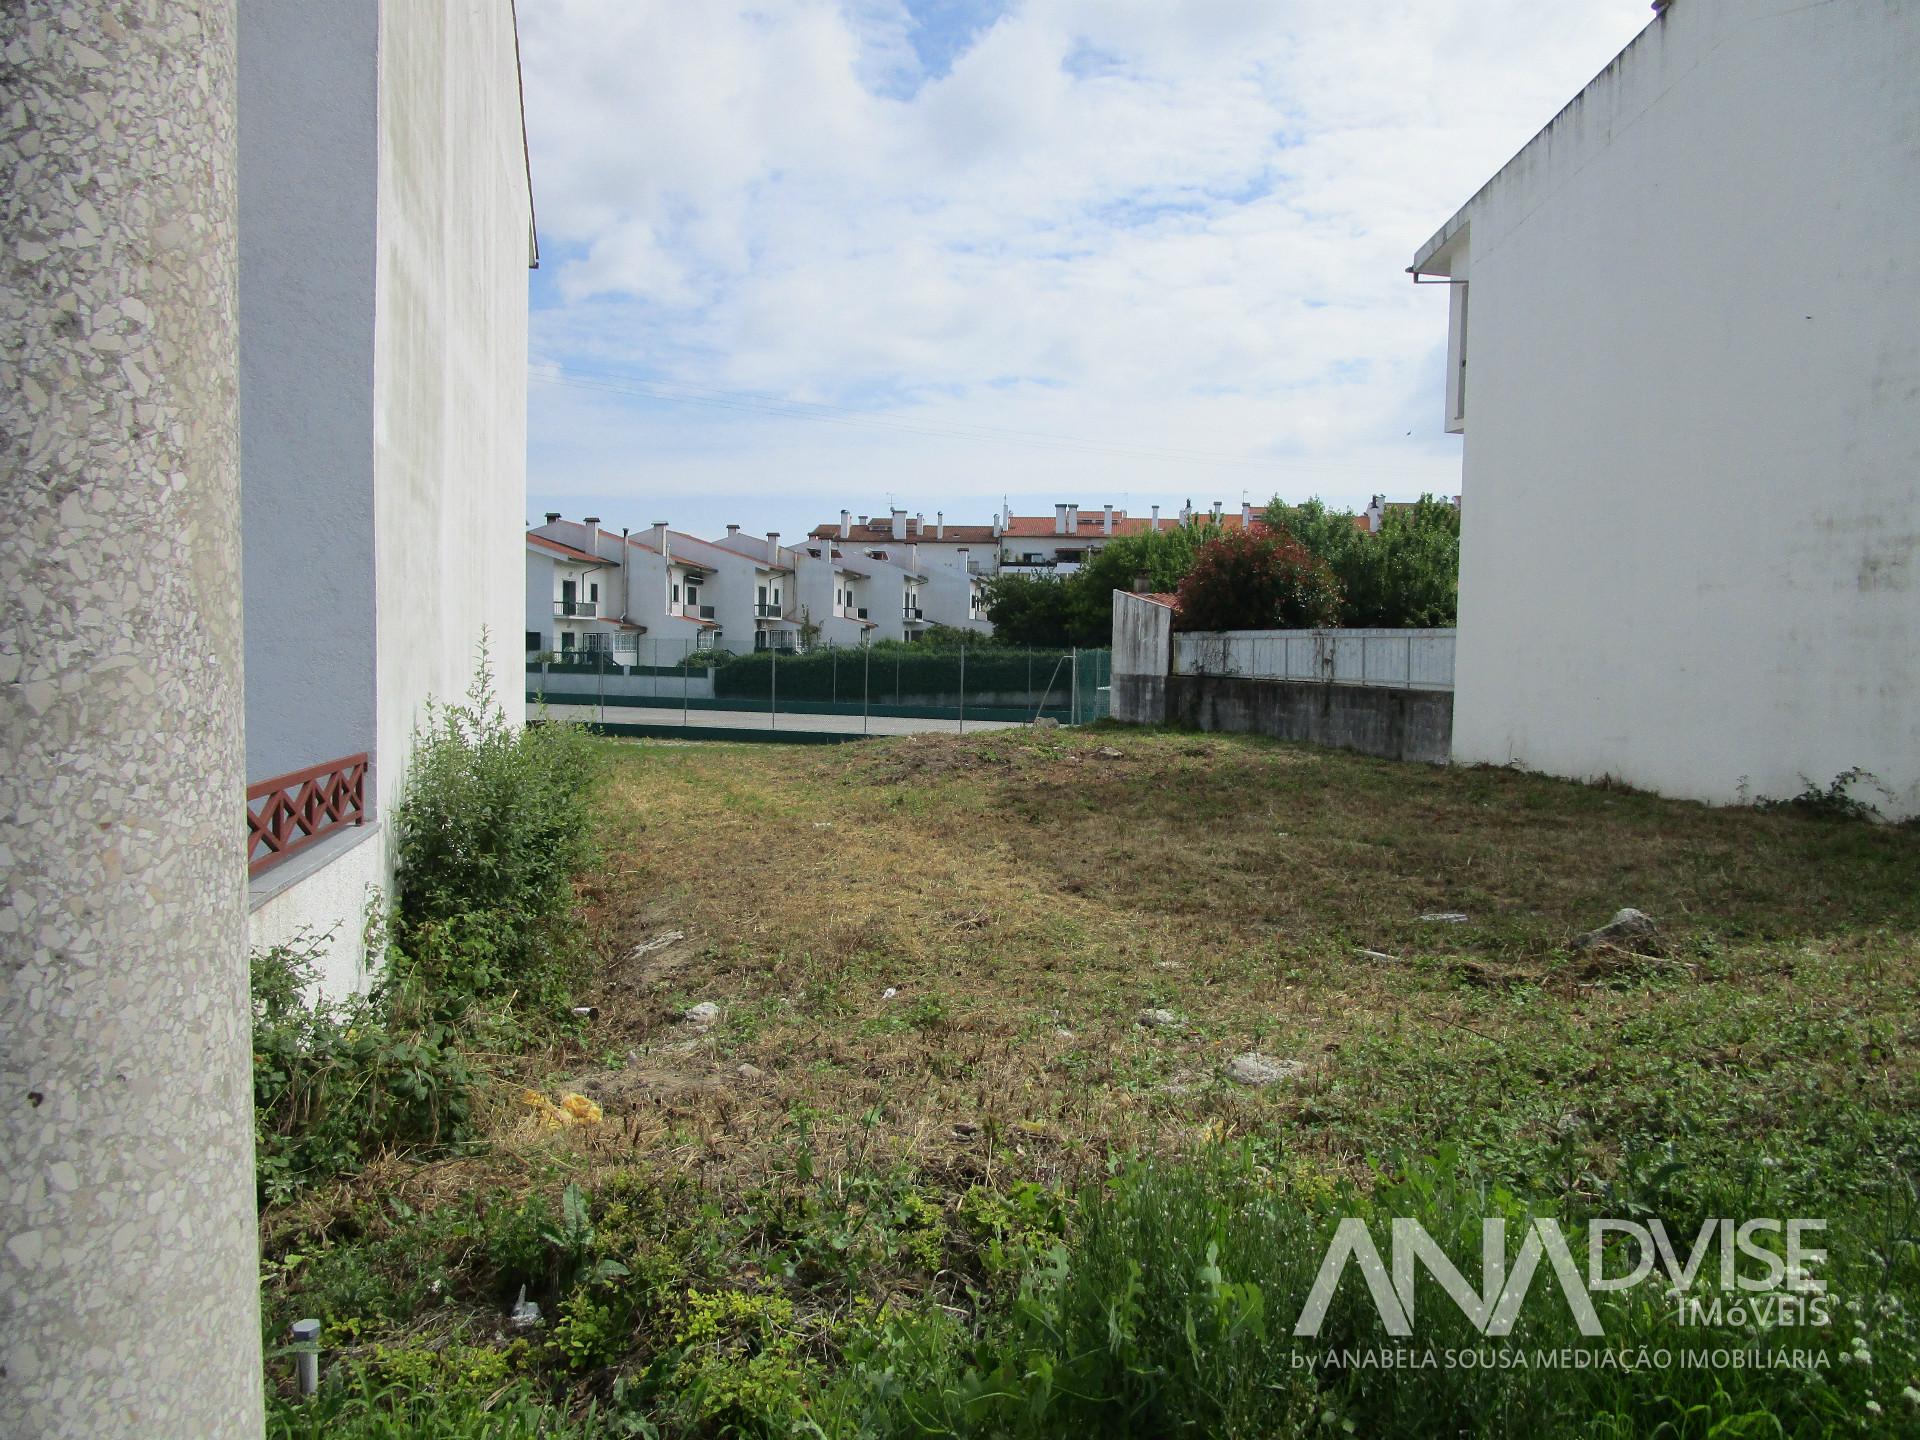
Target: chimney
[
  {"x": 592, "y": 522},
  {"x": 1073, "y": 519},
  {"x": 552, "y": 516},
  {"x": 846, "y": 524},
  {"x": 939, "y": 524},
  {"x": 660, "y": 536},
  {"x": 1059, "y": 519},
  {"x": 732, "y": 531},
  {"x": 773, "y": 547},
  {"x": 863, "y": 522},
  {"x": 919, "y": 522},
  {"x": 1246, "y": 515},
  {"x": 1106, "y": 525},
  {"x": 1156, "y": 519},
  {"x": 899, "y": 527},
  {"x": 1217, "y": 508},
  {"x": 1186, "y": 513}
]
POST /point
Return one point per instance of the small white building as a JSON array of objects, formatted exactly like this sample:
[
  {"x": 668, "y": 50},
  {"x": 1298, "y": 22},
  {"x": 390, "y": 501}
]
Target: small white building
[{"x": 1684, "y": 358}]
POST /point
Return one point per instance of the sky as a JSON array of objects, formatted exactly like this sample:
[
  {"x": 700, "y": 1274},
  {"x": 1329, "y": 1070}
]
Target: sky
[{"x": 806, "y": 255}]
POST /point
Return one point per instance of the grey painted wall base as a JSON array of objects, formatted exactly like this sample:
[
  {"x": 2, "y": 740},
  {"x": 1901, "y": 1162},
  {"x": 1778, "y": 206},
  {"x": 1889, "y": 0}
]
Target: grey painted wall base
[
  {"x": 129, "y": 1253},
  {"x": 1393, "y": 724}
]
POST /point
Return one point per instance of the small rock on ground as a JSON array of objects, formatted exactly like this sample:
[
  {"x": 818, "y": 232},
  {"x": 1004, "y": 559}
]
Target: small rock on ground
[
  {"x": 1252, "y": 1069},
  {"x": 702, "y": 1015},
  {"x": 1626, "y": 927},
  {"x": 1159, "y": 1019},
  {"x": 1444, "y": 917}
]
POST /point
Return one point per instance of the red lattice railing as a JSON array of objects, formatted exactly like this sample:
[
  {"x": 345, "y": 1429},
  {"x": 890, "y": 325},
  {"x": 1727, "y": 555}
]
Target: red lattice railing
[{"x": 288, "y": 812}]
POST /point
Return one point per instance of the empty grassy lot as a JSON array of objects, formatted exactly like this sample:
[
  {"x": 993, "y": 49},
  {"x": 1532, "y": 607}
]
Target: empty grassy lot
[
  {"x": 1025, "y": 897},
  {"x": 895, "y": 1186}
]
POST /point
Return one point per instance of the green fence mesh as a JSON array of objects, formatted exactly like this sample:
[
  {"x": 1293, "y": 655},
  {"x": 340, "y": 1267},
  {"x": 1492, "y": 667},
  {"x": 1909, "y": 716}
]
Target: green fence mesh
[{"x": 957, "y": 683}]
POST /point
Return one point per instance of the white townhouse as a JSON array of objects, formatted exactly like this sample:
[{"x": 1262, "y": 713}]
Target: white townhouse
[
  {"x": 566, "y": 610},
  {"x": 761, "y": 571},
  {"x": 951, "y": 561},
  {"x": 1684, "y": 360}
]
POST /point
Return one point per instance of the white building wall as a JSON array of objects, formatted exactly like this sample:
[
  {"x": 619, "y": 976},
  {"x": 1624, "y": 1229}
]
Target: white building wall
[
  {"x": 540, "y": 589},
  {"x": 1692, "y": 414},
  {"x": 449, "y": 363},
  {"x": 308, "y": 138}
]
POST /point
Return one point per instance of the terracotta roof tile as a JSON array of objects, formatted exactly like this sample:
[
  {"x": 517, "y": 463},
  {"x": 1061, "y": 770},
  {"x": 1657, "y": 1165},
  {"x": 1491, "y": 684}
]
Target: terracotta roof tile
[{"x": 567, "y": 550}]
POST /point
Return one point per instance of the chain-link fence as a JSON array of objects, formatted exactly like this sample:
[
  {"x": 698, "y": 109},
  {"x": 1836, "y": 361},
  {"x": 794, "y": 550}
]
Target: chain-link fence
[{"x": 888, "y": 688}]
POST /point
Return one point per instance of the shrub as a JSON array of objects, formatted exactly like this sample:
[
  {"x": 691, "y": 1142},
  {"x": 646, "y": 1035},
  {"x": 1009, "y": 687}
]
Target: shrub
[
  {"x": 493, "y": 824},
  {"x": 1407, "y": 575},
  {"x": 338, "y": 1080},
  {"x": 1257, "y": 580}
]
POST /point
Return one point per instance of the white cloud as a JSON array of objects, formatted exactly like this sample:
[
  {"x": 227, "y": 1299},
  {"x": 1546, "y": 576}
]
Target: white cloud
[{"x": 1162, "y": 229}]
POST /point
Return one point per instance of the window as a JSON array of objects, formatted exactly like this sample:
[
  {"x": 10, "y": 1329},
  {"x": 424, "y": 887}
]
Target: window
[
  {"x": 566, "y": 640},
  {"x": 693, "y": 594},
  {"x": 676, "y": 593},
  {"x": 533, "y": 640},
  {"x": 596, "y": 642},
  {"x": 593, "y": 593}
]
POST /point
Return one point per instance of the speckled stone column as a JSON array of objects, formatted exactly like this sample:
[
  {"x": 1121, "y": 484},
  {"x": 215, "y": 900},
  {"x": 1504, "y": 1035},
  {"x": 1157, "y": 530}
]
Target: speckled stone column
[{"x": 128, "y": 1274}]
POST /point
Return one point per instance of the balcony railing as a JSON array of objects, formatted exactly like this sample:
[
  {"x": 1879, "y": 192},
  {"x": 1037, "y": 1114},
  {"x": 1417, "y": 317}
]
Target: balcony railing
[
  {"x": 911, "y": 612},
  {"x": 289, "y": 812},
  {"x": 697, "y": 612},
  {"x": 577, "y": 609},
  {"x": 764, "y": 611}
]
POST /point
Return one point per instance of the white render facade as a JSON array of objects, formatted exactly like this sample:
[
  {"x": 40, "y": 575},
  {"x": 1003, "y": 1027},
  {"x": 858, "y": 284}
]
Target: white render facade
[
  {"x": 1684, "y": 361},
  {"x": 386, "y": 228},
  {"x": 661, "y": 590}
]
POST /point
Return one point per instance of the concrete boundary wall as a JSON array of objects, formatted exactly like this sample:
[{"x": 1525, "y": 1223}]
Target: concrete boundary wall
[
  {"x": 1397, "y": 721},
  {"x": 1393, "y": 723}
]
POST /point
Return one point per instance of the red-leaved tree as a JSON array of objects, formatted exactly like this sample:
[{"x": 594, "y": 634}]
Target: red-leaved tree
[{"x": 1257, "y": 580}]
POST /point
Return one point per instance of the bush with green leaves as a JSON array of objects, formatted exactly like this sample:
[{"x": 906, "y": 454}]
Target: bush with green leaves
[
  {"x": 493, "y": 824},
  {"x": 1406, "y": 575},
  {"x": 337, "y": 1081}
]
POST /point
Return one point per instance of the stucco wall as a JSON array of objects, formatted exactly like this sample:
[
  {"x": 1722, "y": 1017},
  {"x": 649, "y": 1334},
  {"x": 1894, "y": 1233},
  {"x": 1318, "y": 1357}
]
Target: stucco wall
[
  {"x": 307, "y": 193},
  {"x": 1691, "y": 523},
  {"x": 450, "y": 357},
  {"x": 1393, "y": 724},
  {"x": 1142, "y": 657},
  {"x": 128, "y": 1249},
  {"x": 320, "y": 898}
]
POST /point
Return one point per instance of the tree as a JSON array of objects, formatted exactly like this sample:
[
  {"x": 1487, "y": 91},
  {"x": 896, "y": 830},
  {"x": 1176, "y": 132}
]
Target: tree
[
  {"x": 1257, "y": 580},
  {"x": 1162, "y": 557},
  {"x": 1404, "y": 576},
  {"x": 1028, "y": 610}
]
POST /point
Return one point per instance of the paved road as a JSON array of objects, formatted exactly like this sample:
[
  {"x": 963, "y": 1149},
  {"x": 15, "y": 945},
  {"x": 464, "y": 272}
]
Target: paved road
[{"x": 760, "y": 720}]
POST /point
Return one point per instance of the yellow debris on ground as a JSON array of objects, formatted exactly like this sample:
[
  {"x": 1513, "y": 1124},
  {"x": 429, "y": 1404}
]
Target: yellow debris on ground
[{"x": 572, "y": 1109}]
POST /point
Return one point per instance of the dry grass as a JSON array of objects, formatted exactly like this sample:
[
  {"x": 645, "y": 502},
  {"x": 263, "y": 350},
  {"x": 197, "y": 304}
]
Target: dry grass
[{"x": 1025, "y": 896}]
